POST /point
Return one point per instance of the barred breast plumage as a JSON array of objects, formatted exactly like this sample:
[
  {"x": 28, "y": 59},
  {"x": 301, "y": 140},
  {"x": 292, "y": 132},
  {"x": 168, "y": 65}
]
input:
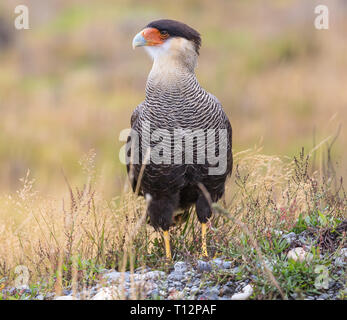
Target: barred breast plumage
[{"x": 185, "y": 105}]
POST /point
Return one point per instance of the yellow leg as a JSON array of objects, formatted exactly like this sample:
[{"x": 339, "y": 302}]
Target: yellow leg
[
  {"x": 167, "y": 245},
  {"x": 203, "y": 240}
]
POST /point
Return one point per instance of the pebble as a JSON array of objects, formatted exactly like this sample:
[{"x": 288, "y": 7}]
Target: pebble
[
  {"x": 176, "y": 295},
  {"x": 203, "y": 266},
  {"x": 221, "y": 264},
  {"x": 67, "y": 292},
  {"x": 154, "y": 293},
  {"x": 303, "y": 240},
  {"x": 12, "y": 291},
  {"x": 110, "y": 293},
  {"x": 323, "y": 296},
  {"x": 290, "y": 237},
  {"x": 294, "y": 295},
  {"x": 339, "y": 262},
  {"x": 226, "y": 290},
  {"x": 343, "y": 253},
  {"x": 175, "y": 276},
  {"x": 151, "y": 275},
  {"x": 49, "y": 295},
  {"x": 245, "y": 293},
  {"x": 212, "y": 293},
  {"x": 194, "y": 290},
  {"x": 24, "y": 288},
  {"x": 65, "y": 298},
  {"x": 116, "y": 276},
  {"x": 180, "y": 267},
  {"x": 299, "y": 254}
]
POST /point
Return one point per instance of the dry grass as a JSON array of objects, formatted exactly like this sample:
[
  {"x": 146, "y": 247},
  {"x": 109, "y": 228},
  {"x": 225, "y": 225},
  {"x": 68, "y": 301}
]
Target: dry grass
[{"x": 67, "y": 243}]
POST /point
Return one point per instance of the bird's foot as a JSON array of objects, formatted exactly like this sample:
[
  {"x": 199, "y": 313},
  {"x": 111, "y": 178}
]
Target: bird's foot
[
  {"x": 204, "y": 253},
  {"x": 167, "y": 246}
]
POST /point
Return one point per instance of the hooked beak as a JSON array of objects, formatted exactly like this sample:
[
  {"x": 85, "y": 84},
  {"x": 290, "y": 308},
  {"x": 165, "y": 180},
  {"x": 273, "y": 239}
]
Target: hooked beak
[
  {"x": 139, "y": 40},
  {"x": 148, "y": 37}
]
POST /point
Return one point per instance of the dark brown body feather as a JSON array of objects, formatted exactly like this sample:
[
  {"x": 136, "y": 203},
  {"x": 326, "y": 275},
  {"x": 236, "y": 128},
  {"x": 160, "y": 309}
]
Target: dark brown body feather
[{"x": 185, "y": 105}]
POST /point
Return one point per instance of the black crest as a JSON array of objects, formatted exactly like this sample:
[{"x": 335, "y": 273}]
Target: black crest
[{"x": 177, "y": 29}]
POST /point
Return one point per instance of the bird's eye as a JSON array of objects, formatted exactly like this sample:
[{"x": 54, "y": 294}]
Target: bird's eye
[{"x": 164, "y": 33}]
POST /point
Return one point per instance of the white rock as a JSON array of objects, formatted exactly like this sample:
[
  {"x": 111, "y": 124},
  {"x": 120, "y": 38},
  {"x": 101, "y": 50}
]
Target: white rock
[
  {"x": 180, "y": 267},
  {"x": 145, "y": 285},
  {"x": 65, "y": 298},
  {"x": 339, "y": 262},
  {"x": 278, "y": 232},
  {"x": 343, "y": 252},
  {"x": 203, "y": 266},
  {"x": 151, "y": 275},
  {"x": 23, "y": 287},
  {"x": 110, "y": 293},
  {"x": 245, "y": 293},
  {"x": 116, "y": 276},
  {"x": 299, "y": 254},
  {"x": 175, "y": 276}
]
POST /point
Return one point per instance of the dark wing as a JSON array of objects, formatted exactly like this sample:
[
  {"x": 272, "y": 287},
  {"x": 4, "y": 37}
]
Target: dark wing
[
  {"x": 226, "y": 125},
  {"x": 215, "y": 184},
  {"x": 135, "y": 115},
  {"x": 134, "y": 169}
]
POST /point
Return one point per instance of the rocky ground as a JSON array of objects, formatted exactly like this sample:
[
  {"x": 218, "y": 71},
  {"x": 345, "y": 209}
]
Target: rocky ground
[
  {"x": 183, "y": 282},
  {"x": 188, "y": 281},
  {"x": 193, "y": 281}
]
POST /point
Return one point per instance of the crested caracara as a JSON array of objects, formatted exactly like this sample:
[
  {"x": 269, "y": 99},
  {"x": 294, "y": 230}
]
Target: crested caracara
[{"x": 176, "y": 103}]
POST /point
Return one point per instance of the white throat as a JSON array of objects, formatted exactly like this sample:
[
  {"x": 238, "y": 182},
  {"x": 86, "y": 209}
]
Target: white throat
[{"x": 175, "y": 57}]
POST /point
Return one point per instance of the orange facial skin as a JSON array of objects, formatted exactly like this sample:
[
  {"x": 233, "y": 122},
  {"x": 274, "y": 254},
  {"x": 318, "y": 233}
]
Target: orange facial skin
[{"x": 153, "y": 36}]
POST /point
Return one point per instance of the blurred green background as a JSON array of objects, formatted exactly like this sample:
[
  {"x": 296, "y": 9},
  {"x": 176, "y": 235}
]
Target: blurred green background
[{"x": 71, "y": 82}]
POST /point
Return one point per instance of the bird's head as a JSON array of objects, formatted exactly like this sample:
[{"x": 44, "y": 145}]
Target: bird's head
[{"x": 169, "y": 43}]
